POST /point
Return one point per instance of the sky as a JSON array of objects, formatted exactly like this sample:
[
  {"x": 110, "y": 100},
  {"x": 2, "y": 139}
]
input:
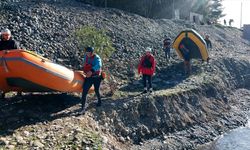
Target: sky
[{"x": 232, "y": 9}]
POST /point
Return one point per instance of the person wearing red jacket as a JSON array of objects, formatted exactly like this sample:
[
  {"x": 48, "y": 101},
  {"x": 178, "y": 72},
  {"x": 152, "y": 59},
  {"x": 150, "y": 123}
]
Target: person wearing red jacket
[{"x": 147, "y": 69}]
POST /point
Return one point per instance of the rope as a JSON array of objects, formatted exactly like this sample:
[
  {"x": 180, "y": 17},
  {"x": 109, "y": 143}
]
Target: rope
[{"x": 4, "y": 63}]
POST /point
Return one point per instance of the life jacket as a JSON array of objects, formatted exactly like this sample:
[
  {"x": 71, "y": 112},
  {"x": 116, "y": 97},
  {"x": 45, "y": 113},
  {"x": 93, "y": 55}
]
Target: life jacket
[
  {"x": 146, "y": 62},
  {"x": 87, "y": 66}
]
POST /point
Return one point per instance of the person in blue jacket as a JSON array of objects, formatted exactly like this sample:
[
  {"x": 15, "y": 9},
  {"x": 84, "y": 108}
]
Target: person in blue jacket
[{"x": 92, "y": 68}]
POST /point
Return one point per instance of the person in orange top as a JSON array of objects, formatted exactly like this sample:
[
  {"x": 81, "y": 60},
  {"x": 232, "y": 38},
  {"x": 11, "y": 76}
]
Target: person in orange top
[{"x": 147, "y": 69}]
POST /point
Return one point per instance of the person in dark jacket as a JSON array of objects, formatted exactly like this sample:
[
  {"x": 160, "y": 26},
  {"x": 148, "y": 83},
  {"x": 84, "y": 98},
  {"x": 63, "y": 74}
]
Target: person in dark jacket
[
  {"x": 167, "y": 47},
  {"x": 186, "y": 56},
  {"x": 92, "y": 68},
  {"x": 147, "y": 69},
  {"x": 7, "y": 43},
  {"x": 208, "y": 42}
]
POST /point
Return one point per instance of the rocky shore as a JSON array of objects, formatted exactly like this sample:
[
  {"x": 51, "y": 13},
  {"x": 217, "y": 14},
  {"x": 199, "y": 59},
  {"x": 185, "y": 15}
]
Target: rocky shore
[{"x": 182, "y": 113}]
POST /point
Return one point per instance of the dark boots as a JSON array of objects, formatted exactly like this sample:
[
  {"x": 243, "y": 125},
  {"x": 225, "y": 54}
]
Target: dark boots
[{"x": 99, "y": 103}]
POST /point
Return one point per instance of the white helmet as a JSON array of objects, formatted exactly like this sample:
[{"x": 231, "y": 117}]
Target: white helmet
[
  {"x": 6, "y": 31},
  {"x": 148, "y": 49}
]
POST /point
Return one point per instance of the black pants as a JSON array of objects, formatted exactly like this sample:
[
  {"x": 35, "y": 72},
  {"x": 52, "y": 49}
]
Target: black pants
[
  {"x": 167, "y": 53},
  {"x": 96, "y": 81},
  {"x": 146, "y": 78}
]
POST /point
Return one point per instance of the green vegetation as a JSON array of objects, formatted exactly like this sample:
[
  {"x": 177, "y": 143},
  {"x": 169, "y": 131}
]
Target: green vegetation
[
  {"x": 97, "y": 38},
  {"x": 97, "y": 141}
]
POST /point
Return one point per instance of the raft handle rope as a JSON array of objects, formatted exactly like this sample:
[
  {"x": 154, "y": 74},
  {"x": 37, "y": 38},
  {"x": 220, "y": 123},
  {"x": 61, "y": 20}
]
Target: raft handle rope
[{"x": 4, "y": 62}]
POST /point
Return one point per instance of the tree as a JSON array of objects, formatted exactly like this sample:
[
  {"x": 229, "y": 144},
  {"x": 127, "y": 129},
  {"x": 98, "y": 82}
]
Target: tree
[
  {"x": 216, "y": 10},
  {"x": 202, "y": 7},
  {"x": 210, "y": 9}
]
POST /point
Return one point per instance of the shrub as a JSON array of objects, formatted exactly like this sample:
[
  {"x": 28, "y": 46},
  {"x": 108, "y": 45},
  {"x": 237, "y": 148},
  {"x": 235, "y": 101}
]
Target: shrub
[{"x": 97, "y": 38}]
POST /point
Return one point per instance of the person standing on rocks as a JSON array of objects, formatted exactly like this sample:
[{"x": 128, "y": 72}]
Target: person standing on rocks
[
  {"x": 92, "y": 68},
  {"x": 147, "y": 69},
  {"x": 187, "y": 60},
  {"x": 208, "y": 42},
  {"x": 167, "y": 47},
  {"x": 7, "y": 43}
]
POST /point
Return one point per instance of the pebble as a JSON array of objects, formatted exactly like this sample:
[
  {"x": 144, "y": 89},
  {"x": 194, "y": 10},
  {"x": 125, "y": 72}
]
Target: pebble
[{"x": 38, "y": 144}]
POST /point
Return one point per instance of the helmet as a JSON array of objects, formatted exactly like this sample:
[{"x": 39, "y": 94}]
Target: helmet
[
  {"x": 148, "y": 49},
  {"x": 6, "y": 31},
  {"x": 89, "y": 49},
  {"x": 168, "y": 38}
]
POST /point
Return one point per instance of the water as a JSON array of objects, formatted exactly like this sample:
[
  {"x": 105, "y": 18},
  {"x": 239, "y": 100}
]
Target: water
[{"x": 238, "y": 139}]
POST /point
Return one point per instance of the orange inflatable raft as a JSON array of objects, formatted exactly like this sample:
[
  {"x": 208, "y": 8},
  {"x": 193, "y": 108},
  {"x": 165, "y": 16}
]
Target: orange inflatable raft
[{"x": 22, "y": 70}]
